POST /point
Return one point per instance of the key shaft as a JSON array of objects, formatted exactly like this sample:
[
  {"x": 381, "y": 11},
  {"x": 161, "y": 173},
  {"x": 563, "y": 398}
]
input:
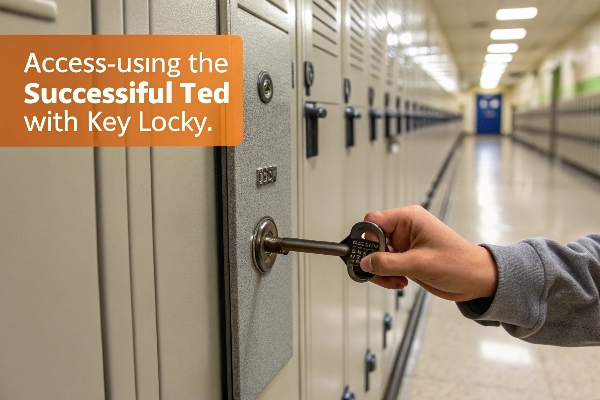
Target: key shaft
[{"x": 278, "y": 245}]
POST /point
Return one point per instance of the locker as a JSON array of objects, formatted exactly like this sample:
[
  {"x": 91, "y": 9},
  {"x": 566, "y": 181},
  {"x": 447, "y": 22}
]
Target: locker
[
  {"x": 259, "y": 314},
  {"x": 325, "y": 276},
  {"x": 378, "y": 148},
  {"x": 51, "y": 332},
  {"x": 170, "y": 304},
  {"x": 356, "y": 174},
  {"x": 320, "y": 50},
  {"x": 166, "y": 202}
]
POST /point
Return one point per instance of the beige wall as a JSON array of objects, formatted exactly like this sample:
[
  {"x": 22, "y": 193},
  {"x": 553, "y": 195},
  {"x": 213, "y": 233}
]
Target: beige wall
[{"x": 579, "y": 58}]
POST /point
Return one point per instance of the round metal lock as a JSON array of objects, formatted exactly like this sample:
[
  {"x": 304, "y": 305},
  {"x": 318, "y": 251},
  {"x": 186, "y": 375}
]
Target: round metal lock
[
  {"x": 263, "y": 260},
  {"x": 265, "y": 86}
]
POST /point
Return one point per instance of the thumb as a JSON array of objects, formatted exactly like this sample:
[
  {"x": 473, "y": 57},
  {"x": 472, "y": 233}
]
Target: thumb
[{"x": 393, "y": 264}]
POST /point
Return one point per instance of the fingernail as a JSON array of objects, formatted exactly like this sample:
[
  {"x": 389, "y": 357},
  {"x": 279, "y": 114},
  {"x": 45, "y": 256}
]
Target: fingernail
[
  {"x": 365, "y": 264},
  {"x": 376, "y": 214}
]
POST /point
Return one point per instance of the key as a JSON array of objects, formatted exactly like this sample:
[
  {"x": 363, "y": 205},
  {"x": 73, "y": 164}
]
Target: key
[{"x": 267, "y": 245}]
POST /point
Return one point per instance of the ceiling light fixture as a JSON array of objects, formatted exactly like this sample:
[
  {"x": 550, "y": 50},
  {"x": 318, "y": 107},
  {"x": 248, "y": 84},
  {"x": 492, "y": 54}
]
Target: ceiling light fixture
[
  {"x": 508, "y": 34},
  {"x": 488, "y": 84},
  {"x": 503, "y": 48},
  {"x": 506, "y": 14},
  {"x": 495, "y": 65},
  {"x": 501, "y": 58}
]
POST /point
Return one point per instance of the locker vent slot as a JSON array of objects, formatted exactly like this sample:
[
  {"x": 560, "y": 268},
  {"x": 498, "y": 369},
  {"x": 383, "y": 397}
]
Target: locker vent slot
[
  {"x": 326, "y": 26},
  {"x": 281, "y": 4},
  {"x": 378, "y": 25},
  {"x": 358, "y": 33}
]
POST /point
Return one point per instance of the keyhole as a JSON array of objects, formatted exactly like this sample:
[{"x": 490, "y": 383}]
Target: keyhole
[{"x": 267, "y": 89}]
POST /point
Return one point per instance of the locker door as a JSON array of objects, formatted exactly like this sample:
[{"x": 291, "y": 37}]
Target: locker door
[
  {"x": 184, "y": 210},
  {"x": 356, "y": 197},
  {"x": 393, "y": 179},
  {"x": 259, "y": 306},
  {"x": 356, "y": 310},
  {"x": 378, "y": 150},
  {"x": 322, "y": 193},
  {"x": 51, "y": 345}
]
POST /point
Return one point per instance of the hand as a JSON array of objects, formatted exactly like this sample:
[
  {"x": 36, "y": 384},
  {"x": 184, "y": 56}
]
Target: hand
[{"x": 428, "y": 252}]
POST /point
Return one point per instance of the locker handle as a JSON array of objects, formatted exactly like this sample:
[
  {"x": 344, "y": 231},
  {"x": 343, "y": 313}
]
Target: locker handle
[
  {"x": 387, "y": 326},
  {"x": 388, "y": 122},
  {"x": 370, "y": 366},
  {"x": 373, "y": 117},
  {"x": 312, "y": 113},
  {"x": 351, "y": 114}
]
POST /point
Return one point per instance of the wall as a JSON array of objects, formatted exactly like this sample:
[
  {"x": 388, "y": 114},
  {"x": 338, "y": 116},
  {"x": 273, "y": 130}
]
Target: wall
[{"x": 579, "y": 59}]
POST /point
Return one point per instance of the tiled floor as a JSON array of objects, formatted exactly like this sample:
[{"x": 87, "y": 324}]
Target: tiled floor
[{"x": 506, "y": 192}]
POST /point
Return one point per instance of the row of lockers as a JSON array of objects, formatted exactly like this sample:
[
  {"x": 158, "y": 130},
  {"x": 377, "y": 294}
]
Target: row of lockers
[
  {"x": 387, "y": 158},
  {"x": 393, "y": 171},
  {"x": 576, "y": 133},
  {"x": 129, "y": 271}
]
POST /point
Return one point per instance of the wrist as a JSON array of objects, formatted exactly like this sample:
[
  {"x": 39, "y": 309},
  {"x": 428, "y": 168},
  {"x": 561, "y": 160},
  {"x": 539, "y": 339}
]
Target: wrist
[{"x": 487, "y": 273}]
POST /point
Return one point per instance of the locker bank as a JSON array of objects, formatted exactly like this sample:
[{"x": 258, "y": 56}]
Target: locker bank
[{"x": 153, "y": 273}]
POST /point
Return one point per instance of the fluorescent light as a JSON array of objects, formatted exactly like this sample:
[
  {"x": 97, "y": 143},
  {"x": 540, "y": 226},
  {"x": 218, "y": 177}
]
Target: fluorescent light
[
  {"x": 506, "y": 14},
  {"x": 495, "y": 66},
  {"x": 406, "y": 38},
  {"x": 503, "y": 48},
  {"x": 488, "y": 83},
  {"x": 492, "y": 70},
  {"x": 394, "y": 20},
  {"x": 508, "y": 34},
  {"x": 498, "y": 58}
]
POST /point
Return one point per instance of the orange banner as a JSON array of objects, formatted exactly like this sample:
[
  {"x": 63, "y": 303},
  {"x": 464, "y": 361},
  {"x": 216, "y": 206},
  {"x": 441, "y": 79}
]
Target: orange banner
[{"x": 127, "y": 90}]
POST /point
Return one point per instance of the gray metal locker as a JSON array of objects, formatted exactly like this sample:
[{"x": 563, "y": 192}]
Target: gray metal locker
[{"x": 259, "y": 314}]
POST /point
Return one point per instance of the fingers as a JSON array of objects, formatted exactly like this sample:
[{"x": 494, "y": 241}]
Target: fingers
[
  {"x": 397, "y": 223},
  {"x": 395, "y": 264},
  {"x": 388, "y": 219},
  {"x": 390, "y": 282}
]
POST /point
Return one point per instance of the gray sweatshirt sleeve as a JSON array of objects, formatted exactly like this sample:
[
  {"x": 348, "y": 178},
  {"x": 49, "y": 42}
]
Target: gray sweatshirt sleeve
[{"x": 547, "y": 292}]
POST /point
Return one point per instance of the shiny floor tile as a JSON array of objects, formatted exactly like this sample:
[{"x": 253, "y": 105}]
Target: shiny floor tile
[{"x": 504, "y": 193}]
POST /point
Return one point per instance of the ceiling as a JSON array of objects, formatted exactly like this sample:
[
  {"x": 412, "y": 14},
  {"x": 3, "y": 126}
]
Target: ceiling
[{"x": 467, "y": 25}]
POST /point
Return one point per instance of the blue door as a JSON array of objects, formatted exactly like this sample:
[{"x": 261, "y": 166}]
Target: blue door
[{"x": 489, "y": 110}]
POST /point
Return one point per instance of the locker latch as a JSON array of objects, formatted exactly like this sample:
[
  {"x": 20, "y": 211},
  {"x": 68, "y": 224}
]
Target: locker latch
[
  {"x": 348, "y": 395},
  {"x": 312, "y": 113},
  {"x": 350, "y": 115},
  {"x": 373, "y": 117},
  {"x": 389, "y": 115},
  {"x": 387, "y": 326},
  {"x": 370, "y": 366},
  {"x": 399, "y": 294}
]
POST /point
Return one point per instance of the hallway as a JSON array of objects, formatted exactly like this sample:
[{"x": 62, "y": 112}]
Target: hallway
[{"x": 506, "y": 192}]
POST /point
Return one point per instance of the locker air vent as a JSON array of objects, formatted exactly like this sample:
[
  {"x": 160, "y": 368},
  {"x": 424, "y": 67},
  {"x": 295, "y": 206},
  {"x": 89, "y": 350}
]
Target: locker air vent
[
  {"x": 358, "y": 34},
  {"x": 377, "y": 39},
  {"x": 326, "y": 26}
]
